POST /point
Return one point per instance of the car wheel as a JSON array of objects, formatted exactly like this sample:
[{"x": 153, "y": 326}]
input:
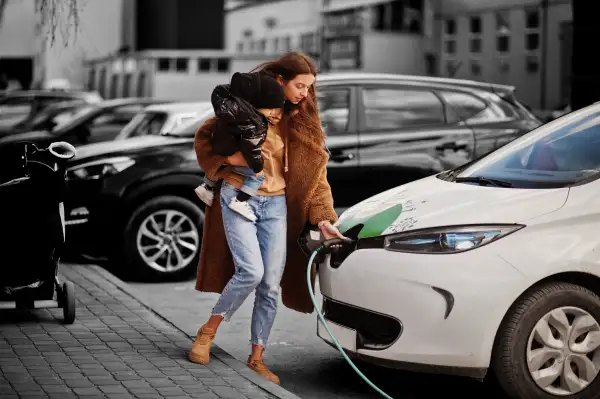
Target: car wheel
[
  {"x": 549, "y": 344},
  {"x": 163, "y": 237}
]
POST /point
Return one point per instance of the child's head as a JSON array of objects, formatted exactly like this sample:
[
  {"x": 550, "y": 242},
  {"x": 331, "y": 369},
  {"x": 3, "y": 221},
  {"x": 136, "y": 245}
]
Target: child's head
[{"x": 261, "y": 91}]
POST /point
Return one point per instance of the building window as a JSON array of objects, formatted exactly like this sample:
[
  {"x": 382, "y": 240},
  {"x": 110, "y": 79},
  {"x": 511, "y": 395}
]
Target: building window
[
  {"x": 475, "y": 30},
  {"x": 181, "y": 64},
  {"x": 450, "y": 36},
  {"x": 262, "y": 45},
  {"x": 275, "y": 44},
  {"x": 114, "y": 83},
  {"x": 204, "y": 65},
  {"x": 532, "y": 64},
  {"x": 475, "y": 25},
  {"x": 102, "y": 82},
  {"x": 287, "y": 43},
  {"x": 475, "y": 68},
  {"x": 532, "y": 30},
  {"x": 504, "y": 67},
  {"x": 164, "y": 64},
  {"x": 452, "y": 67},
  {"x": 223, "y": 65},
  {"x": 396, "y": 16},
  {"x": 502, "y": 32},
  {"x": 141, "y": 84},
  {"x": 126, "y": 89},
  {"x": 240, "y": 47},
  {"x": 450, "y": 27},
  {"x": 503, "y": 44},
  {"x": 92, "y": 79}
]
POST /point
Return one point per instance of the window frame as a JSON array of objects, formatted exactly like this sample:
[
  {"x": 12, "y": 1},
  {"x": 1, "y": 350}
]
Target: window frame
[
  {"x": 351, "y": 88},
  {"x": 362, "y": 115}
]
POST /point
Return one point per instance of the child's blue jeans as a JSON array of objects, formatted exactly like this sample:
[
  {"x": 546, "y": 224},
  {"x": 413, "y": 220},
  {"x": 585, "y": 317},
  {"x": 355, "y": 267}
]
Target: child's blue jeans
[{"x": 251, "y": 181}]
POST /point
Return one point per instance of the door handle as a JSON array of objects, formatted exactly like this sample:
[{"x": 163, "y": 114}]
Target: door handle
[
  {"x": 452, "y": 145},
  {"x": 342, "y": 157}
]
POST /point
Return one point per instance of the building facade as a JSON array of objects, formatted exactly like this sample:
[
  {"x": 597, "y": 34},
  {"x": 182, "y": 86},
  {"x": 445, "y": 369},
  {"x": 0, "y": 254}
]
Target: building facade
[
  {"x": 387, "y": 36},
  {"x": 525, "y": 43},
  {"x": 120, "y": 47},
  {"x": 259, "y": 31},
  {"x": 19, "y": 44}
]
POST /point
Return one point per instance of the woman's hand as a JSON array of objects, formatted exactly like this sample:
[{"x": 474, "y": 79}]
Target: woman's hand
[
  {"x": 329, "y": 231},
  {"x": 236, "y": 159}
]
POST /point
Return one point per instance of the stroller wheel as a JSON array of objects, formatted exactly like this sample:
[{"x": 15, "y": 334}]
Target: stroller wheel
[{"x": 68, "y": 302}]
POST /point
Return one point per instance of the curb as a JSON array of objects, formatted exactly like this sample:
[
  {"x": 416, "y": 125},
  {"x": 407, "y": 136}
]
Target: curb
[{"x": 216, "y": 351}]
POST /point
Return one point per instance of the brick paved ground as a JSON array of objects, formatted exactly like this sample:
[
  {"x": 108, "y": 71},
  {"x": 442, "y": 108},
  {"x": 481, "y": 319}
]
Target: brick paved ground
[{"x": 117, "y": 348}]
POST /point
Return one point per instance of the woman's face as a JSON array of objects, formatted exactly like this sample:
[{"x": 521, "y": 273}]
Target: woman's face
[{"x": 296, "y": 89}]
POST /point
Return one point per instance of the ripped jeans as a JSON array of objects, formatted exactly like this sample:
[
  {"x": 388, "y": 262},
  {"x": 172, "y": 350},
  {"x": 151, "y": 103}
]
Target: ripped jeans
[{"x": 259, "y": 251}]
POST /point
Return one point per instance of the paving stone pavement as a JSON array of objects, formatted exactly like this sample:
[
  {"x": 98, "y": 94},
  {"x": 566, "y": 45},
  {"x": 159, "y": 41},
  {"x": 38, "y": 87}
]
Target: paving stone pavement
[{"x": 117, "y": 348}]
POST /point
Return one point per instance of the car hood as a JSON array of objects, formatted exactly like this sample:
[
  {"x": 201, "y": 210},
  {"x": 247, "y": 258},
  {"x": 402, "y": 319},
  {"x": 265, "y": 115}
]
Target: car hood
[
  {"x": 121, "y": 147},
  {"x": 432, "y": 202}
]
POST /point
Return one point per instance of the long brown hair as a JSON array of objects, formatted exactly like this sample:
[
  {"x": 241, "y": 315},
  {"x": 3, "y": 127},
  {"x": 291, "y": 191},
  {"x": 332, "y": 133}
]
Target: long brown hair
[{"x": 306, "y": 113}]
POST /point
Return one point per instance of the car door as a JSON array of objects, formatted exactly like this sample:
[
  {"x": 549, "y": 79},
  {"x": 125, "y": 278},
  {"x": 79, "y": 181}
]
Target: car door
[
  {"x": 337, "y": 109},
  {"x": 404, "y": 135}
]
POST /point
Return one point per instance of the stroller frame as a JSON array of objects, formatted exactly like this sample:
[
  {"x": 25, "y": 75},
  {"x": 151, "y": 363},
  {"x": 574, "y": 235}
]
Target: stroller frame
[{"x": 39, "y": 294}]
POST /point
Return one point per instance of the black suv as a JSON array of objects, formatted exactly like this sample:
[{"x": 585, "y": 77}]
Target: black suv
[{"x": 133, "y": 199}]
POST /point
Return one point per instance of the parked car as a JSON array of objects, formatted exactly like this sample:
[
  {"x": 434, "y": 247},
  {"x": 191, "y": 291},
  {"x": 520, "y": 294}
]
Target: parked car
[
  {"x": 92, "y": 124},
  {"x": 492, "y": 265},
  {"x": 117, "y": 186},
  {"x": 129, "y": 192},
  {"x": 47, "y": 119},
  {"x": 18, "y": 106},
  {"x": 164, "y": 118},
  {"x": 393, "y": 129}
]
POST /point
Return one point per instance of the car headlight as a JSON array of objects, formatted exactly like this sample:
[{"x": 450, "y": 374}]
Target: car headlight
[
  {"x": 447, "y": 240},
  {"x": 99, "y": 169}
]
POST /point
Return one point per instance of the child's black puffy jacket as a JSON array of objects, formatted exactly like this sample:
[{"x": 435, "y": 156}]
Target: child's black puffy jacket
[{"x": 239, "y": 127}]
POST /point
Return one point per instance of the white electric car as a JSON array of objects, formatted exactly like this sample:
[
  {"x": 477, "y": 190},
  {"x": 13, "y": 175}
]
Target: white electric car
[{"x": 494, "y": 265}]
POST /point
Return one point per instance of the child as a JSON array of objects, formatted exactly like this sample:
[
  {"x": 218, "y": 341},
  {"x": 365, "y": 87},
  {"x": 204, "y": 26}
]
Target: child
[{"x": 241, "y": 109}]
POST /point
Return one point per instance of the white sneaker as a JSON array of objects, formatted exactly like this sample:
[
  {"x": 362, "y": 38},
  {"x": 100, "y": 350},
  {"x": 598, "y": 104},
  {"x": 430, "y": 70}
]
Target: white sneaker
[
  {"x": 243, "y": 209},
  {"x": 205, "y": 194}
]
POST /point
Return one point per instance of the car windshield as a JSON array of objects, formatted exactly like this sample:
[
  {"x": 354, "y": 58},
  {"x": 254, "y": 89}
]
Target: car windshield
[
  {"x": 190, "y": 128},
  {"x": 561, "y": 153},
  {"x": 144, "y": 124},
  {"x": 68, "y": 123}
]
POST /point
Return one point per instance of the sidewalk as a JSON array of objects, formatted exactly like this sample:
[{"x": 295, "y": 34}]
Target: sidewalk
[{"x": 117, "y": 348}]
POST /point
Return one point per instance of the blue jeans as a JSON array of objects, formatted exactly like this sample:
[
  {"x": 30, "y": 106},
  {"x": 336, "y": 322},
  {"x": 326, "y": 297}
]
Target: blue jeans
[
  {"x": 259, "y": 251},
  {"x": 251, "y": 181}
]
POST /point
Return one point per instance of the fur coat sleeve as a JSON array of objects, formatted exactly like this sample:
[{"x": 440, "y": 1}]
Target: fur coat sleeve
[{"x": 213, "y": 165}]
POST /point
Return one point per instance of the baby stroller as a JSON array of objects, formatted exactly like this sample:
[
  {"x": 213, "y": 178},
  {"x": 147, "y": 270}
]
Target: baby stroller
[{"x": 32, "y": 191}]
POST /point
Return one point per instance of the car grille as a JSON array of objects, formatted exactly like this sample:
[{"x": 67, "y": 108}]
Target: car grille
[{"x": 374, "y": 331}]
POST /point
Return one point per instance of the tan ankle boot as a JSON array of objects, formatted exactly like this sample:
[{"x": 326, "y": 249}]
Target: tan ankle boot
[
  {"x": 200, "y": 352},
  {"x": 261, "y": 369}
]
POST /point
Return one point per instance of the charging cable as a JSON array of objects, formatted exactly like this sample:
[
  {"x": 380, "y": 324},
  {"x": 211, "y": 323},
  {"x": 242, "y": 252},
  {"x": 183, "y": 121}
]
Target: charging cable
[{"x": 328, "y": 245}]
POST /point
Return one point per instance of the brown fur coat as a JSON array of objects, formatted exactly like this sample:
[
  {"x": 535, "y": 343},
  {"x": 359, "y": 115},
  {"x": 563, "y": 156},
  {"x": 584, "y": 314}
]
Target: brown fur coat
[{"x": 308, "y": 196}]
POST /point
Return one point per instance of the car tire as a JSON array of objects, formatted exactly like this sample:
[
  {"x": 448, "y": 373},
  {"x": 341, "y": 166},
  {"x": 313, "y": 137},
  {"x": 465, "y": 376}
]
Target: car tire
[
  {"x": 147, "y": 235},
  {"x": 547, "y": 308}
]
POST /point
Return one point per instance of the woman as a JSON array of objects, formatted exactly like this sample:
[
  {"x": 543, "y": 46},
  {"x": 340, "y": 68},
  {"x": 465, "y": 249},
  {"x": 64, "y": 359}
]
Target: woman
[{"x": 258, "y": 255}]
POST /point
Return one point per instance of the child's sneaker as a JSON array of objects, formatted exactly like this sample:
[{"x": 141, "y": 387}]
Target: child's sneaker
[
  {"x": 242, "y": 208},
  {"x": 205, "y": 194}
]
